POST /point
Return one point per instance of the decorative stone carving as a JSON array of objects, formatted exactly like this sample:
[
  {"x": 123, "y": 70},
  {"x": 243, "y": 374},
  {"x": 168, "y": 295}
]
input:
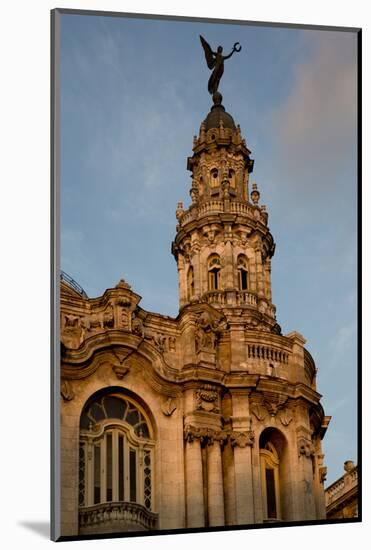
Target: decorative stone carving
[
  {"x": 137, "y": 326},
  {"x": 72, "y": 331},
  {"x": 121, "y": 369},
  {"x": 205, "y": 435},
  {"x": 99, "y": 320},
  {"x": 161, "y": 342},
  {"x": 207, "y": 332},
  {"x": 322, "y": 473},
  {"x": 123, "y": 284},
  {"x": 168, "y": 407},
  {"x": 259, "y": 411},
  {"x": 285, "y": 417},
  {"x": 242, "y": 439},
  {"x": 349, "y": 466},
  {"x": 71, "y": 321},
  {"x": 204, "y": 336},
  {"x": 66, "y": 390},
  {"x": 305, "y": 447},
  {"x": 274, "y": 402},
  {"x": 207, "y": 399},
  {"x": 179, "y": 211}
]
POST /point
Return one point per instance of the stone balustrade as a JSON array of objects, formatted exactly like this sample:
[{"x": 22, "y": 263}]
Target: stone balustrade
[
  {"x": 343, "y": 485},
  {"x": 215, "y": 297},
  {"x": 216, "y": 206},
  {"x": 245, "y": 298},
  {"x": 116, "y": 515},
  {"x": 269, "y": 353},
  {"x": 241, "y": 208}
]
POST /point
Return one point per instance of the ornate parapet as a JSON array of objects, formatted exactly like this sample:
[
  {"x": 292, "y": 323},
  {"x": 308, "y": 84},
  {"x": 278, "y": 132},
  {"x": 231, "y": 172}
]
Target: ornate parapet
[{"x": 116, "y": 516}]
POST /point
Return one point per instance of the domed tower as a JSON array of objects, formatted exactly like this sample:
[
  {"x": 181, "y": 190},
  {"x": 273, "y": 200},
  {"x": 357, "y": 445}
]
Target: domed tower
[
  {"x": 223, "y": 245},
  {"x": 262, "y": 383}
]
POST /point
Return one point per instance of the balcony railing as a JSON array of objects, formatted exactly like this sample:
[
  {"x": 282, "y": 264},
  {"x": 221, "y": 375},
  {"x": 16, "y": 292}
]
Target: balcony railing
[
  {"x": 116, "y": 516},
  {"x": 230, "y": 298},
  {"x": 215, "y": 206},
  {"x": 246, "y": 299},
  {"x": 73, "y": 284}
]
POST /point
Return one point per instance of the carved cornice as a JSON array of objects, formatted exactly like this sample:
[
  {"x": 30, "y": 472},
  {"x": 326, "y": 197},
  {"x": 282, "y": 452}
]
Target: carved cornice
[{"x": 205, "y": 435}]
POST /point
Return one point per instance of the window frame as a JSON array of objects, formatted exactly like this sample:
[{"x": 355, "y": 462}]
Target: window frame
[{"x": 96, "y": 436}]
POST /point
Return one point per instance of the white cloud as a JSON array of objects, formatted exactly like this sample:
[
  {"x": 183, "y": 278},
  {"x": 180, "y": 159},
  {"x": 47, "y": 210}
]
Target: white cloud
[{"x": 316, "y": 125}]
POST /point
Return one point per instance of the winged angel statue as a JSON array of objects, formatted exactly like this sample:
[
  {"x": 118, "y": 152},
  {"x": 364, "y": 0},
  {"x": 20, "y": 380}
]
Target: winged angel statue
[{"x": 215, "y": 60}]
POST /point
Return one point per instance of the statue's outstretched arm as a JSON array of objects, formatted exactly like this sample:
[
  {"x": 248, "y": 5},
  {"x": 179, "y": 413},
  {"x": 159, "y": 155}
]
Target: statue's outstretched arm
[
  {"x": 228, "y": 56},
  {"x": 235, "y": 49}
]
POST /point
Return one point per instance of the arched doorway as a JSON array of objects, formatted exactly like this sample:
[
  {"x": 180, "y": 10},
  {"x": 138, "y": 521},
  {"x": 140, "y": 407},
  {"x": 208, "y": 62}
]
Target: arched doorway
[{"x": 274, "y": 473}]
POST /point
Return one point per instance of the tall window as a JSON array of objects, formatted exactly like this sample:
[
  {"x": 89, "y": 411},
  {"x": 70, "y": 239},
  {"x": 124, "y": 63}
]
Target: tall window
[
  {"x": 272, "y": 444},
  {"x": 116, "y": 453},
  {"x": 242, "y": 272},
  {"x": 214, "y": 272},
  {"x": 190, "y": 283}
]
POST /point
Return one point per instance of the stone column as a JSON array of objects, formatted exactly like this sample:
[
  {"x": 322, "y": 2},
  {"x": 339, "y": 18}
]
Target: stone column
[
  {"x": 242, "y": 442},
  {"x": 215, "y": 484},
  {"x": 228, "y": 258},
  {"x": 194, "y": 481},
  {"x": 242, "y": 439},
  {"x": 238, "y": 345},
  {"x": 268, "y": 287},
  {"x": 259, "y": 273},
  {"x": 229, "y": 485},
  {"x": 182, "y": 282}
]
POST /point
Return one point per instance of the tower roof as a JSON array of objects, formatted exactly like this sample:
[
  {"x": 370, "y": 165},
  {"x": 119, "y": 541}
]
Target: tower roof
[{"x": 217, "y": 114}]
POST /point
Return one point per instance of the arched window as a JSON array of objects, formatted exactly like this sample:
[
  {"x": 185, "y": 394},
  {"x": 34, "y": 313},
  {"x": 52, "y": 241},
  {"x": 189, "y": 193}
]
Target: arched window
[
  {"x": 232, "y": 178},
  {"x": 116, "y": 457},
  {"x": 272, "y": 446},
  {"x": 242, "y": 272},
  {"x": 190, "y": 282},
  {"x": 214, "y": 178},
  {"x": 214, "y": 272}
]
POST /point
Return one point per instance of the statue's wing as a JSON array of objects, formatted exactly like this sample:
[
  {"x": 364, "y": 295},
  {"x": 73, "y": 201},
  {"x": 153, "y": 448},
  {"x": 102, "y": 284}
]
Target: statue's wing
[{"x": 210, "y": 59}]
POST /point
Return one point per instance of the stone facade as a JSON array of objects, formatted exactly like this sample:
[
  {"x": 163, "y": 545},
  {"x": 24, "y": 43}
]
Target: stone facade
[
  {"x": 211, "y": 418},
  {"x": 342, "y": 495}
]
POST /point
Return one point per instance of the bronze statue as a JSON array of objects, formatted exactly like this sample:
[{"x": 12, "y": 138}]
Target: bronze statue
[{"x": 215, "y": 60}]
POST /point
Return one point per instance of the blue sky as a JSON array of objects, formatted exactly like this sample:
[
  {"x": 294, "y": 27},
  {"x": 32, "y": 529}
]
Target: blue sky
[{"x": 133, "y": 94}]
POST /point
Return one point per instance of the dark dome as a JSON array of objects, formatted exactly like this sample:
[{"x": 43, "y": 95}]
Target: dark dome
[{"x": 218, "y": 113}]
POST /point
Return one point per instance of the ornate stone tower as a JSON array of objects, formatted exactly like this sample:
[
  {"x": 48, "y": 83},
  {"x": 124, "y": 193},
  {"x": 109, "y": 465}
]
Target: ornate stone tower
[{"x": 223, "y": 246}]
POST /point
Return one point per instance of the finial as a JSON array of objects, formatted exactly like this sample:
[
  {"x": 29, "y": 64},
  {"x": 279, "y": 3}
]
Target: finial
[
  {"x": 202, "y": 132},
  {"x": 349, "y": 465},
  {"x": 179, "y": 211},
  {"x": 255, "y": 195},
  {"x": 194, "y": 194},
  {"x": 217, "y": 98},
  {"x": 123, "y": 284},
  {"x": 195, "y": 141}
]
